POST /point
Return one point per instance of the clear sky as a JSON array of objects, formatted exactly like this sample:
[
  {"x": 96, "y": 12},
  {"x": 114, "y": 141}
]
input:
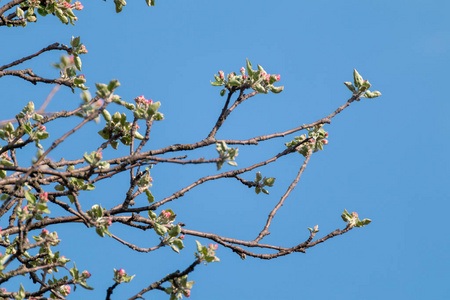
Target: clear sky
[{"x": 387, "y": 158}]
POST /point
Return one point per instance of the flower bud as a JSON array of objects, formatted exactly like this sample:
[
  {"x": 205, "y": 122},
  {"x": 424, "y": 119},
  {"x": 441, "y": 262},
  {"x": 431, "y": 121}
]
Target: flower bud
[
  {"x": 121, "y": 272},
  {"x": 86, "y": 274}
]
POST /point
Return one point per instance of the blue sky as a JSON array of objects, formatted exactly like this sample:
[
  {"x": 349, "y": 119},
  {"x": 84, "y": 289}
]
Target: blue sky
[{"x": 387, "y": 157}]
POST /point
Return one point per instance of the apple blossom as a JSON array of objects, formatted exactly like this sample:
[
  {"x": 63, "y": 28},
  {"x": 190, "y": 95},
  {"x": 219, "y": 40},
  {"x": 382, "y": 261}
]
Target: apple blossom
[
  {"x": 86, "y": 274},
  {"x": 82, "y": 50},
  {"x": 44, "y": 196},
  {"x": 78, "y": 6}
]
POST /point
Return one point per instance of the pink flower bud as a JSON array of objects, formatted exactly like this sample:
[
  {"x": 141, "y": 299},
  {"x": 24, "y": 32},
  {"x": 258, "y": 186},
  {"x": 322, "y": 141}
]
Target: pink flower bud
[
  {"x": 325, "y": 142},
  {"x": 86, "y": 274},
  {"x": 44, "y": 196},
  {"x": 99, "y": 103},
  {"x": 166, "y": 214},
  {"x": 149, "y": 101},
  {"x": 109, "y": 221},
  {"x": 99, "y": 155},
  {"x": 81, "y": 76},
  {"x": 221, "y": 75},
  {"x": 41, "y": 128},
  {"x": 140, "y": 99},
  {"x": 278, "y": 77},
  {"x": 71, "y": 59},
  {"x": 78, "y": 6},
  {"x": 181, "y": 237},
  {"x": 25, "y": 208},
  {"x": 67, "y": 289},
  {"x": 354, "y": 215},
  {"x": 326, "y": 134},
  {"x": 67, "y": 5},
  {"x": 82, "y": 50},
  {"x": 121, "y": 272},
  {"x": 44, "y": 231},
  {"x": 244, "y": 76},
  {"x": 188, "y": 293},
  {"x": 242, "y": 70},
  {"x": 312, "y": 140}
]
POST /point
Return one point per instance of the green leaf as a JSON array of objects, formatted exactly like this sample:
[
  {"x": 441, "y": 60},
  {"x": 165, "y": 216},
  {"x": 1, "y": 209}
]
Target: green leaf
[
  {"x": 350, "y": 86},
  {"x": 59, "y": 187},
  {"x": 77, "y": 61},
  {"x": 217, "y": 83},
  {"x": 138, "y": 136},
  {"x": 370, "y": 94},
  {"x": 160, "y": 230},
  {"x": 103, "y": 165},
  {"x": 258, "y": 177},
  {"x": 6, "y": 162},
  {"x": 85, "y": 285},
  {"x": 259, "y": 88},
  {"x": 178, "y": 243},
  {"x": 357, "y": 79},
  {"x": 113, "y": 84},
  {"x": 152, "y": 215},
  {"x": 234, "y": 82},
  {"x": 150, "y": 197},
  {"x": 175, "y": 230},
  {"x": 199, "y": 246},
  {"x": 151, "y": 110},
  {"x": 75, "y": 42},
  {"x": 89, "y": 187},
  {"x": 269, "y": 181},
  {"x": 261, "y": 70},
  {"x": 249, "y": 68},
  {"x": 276, "y": 89}
]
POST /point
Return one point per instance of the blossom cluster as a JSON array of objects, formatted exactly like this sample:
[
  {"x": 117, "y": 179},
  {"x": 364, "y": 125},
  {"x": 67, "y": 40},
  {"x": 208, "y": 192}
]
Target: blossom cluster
[
  {"x": 259, "y": 80},
  {"x": 62, "y": 3},
  {"x": 141, "y": 101}
]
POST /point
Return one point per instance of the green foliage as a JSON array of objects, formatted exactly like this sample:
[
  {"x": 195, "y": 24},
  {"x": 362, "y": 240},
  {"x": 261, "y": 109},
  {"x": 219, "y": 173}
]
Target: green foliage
[
  {"x": 360, "y": 86},
  {"x": 226, "y": 155},
  {"x": 261, "y": 182},
  {"x": 259, "y": 80},
  {"x": 313, "y": 142}
]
